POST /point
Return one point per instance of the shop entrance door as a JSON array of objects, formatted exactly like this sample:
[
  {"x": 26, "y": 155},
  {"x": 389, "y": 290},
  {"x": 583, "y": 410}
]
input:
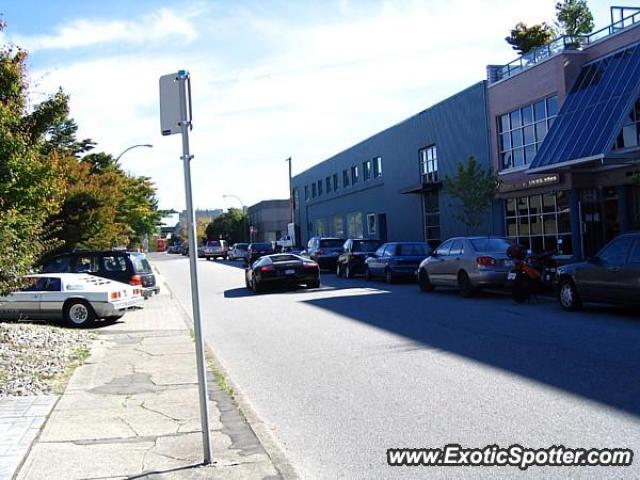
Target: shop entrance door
[{"x": 600, "y": 219}]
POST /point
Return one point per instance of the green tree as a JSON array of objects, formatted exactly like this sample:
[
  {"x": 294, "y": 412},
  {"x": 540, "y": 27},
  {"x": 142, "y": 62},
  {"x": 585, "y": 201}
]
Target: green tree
[
  {"x": 523, "y": 38},
  {"x": 230, "y": 226},
  {"x": 29, "y": 184},
  {"x": 573, "y": 17},
  {"x": 474, "y": 188}
]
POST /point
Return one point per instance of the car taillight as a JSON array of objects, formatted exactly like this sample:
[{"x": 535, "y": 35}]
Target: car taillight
[
  {"x": 267, "y": 268},
  {"x": 114, "y": 295},
  {"x": 135, "y": 280},
  {"x": 310, "y": 265},
  {"x": 486, "y": 261}
]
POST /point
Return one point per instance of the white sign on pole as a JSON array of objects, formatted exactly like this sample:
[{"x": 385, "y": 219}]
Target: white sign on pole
[{"x": 170, "y": 114}]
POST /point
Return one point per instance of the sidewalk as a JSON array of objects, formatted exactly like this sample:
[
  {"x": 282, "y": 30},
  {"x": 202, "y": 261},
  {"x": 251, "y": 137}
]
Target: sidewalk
[{"x": 132, "y": 411}]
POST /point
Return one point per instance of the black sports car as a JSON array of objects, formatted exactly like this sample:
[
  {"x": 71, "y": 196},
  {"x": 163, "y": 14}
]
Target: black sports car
[{"x": 282, "y": 270}]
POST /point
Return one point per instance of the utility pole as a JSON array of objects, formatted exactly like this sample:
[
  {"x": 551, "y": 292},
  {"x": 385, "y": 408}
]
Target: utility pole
[
  {"x": 288, "y": 160},
  {"x": 175, "y": 117}
]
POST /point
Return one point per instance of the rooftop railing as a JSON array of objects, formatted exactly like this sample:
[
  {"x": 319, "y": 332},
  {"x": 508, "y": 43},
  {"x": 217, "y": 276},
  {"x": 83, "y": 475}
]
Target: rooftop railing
[{"x": 560, "y": 44}]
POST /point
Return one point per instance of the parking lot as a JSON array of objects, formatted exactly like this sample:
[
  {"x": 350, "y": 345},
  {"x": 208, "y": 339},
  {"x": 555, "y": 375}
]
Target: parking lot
[{"x": 341, "y": 373}]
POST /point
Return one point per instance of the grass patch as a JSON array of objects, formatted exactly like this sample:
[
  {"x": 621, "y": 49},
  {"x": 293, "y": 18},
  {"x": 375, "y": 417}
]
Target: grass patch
[
  {"x": 218, "y": 376},
  {"x": 60, "y": 381}
]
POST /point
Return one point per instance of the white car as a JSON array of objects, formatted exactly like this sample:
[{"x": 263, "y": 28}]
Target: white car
[{"x": 76, "y": 298}]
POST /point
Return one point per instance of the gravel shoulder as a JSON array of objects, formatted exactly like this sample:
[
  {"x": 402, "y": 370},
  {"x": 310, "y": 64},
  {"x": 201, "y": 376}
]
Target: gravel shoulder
[{"x": 38, "y": 359}]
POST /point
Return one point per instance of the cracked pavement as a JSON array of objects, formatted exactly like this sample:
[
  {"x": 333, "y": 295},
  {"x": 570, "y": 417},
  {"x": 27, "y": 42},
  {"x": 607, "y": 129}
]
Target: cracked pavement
[{"x": 132, "y": 411}]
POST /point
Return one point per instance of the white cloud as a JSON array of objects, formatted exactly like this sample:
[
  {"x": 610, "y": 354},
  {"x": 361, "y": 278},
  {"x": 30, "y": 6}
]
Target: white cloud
[
  {"x": 306, "y": 89},
  {"x": 84, "y": 33}
]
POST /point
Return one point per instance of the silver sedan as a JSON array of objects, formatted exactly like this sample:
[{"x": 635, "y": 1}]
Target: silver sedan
[{"x": 467, "y": 263}]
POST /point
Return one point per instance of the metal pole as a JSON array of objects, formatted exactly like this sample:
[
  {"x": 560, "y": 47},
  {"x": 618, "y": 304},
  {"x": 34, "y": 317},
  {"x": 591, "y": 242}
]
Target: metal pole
[
  {"x": 183, "y": 78},
  {"x": 290, "y": 190}
]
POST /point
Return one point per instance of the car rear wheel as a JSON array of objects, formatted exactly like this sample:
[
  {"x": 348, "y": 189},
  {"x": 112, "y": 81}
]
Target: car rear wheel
[
  {"x": 78, "y": 313},
  {"x": 568, "y": 296},
  {"x": 388, "y": 276},
  {"x": 314, "y": 284},
  {"x": 367, "y": 274},
  {"x": 424, "y": 282},
  {"x": 464, "y": 284},
  {"x": 255, "y": 285},
  {"x": 348, "y": 272}
]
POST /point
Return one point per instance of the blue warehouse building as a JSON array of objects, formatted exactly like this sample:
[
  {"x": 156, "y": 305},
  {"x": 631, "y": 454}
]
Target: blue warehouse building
[
  {"x": 560, "y": 126},
  {"x": 389, "y": 186}
]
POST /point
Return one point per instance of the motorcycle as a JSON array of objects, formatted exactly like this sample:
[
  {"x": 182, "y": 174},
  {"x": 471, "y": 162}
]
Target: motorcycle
[{"x": 531, "y": 274}]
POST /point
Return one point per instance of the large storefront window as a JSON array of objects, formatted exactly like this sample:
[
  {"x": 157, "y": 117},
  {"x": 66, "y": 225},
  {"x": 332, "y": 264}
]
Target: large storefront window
[
  {"x": 540, "y": 222},
  {"x": 521, "y": 132},
  {"x": 321, "y": 228},
  {"x": 432, "y": 218},
  {"x": 338, "y": 226},
  {"x": 355, "y": 225}
]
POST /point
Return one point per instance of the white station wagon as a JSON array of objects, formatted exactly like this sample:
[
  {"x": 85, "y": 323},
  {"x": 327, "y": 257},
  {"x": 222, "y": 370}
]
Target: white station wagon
[{"x": 76, "y": 298}]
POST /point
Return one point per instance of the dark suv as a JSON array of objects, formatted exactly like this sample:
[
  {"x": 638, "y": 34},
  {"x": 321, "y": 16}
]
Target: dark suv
[
  {"x": 257, "y": 250},
  {"x": 356, "y": 251},
  {"x": 126, "y": 267},
  {"x": 324, "y": 251}
]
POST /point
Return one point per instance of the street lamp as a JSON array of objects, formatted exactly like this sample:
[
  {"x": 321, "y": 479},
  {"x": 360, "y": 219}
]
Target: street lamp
[
  {"x": 146, "y": 145},
  {"x": 244, "y": 211}
]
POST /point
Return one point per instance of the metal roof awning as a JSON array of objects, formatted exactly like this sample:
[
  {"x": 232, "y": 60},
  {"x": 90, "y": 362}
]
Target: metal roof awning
[{"x": 593, "y": 113}]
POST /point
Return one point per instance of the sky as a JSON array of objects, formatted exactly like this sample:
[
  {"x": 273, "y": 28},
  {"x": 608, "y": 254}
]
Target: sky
[{"x": 271, "y": 79}]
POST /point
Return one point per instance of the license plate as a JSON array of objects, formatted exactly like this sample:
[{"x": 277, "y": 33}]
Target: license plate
[
  {"x": 289, "y": 272},
  {"x": 511, "y": 276}
]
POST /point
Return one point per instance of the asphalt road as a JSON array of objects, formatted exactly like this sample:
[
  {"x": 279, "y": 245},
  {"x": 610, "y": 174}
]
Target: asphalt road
[{"x": 347, "y": 371}]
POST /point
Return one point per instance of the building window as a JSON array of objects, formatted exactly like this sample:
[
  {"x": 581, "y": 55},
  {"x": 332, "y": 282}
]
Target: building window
[
  {"x": 372, "y": 225},
  {"x": 540, "y": 222},
  {"x": 354, "y": 175},
  {"x": 306, "y": 192},
  {"x": 321, "y": 228},
  {"x": 328, "y": 184},
  {"x": 354, "y": 225},
  {"x": 345, "y": 178},
  {"x": 429, "y": 164},
  {"x": 521, "y": 132},
  {"x": 432, "y": 218},
  {"x": 366, "y": 170},
  {"x": 630, "y": 134},
  {"x": 319, "y": 187},
  {"x": 338, "y": 226},
  {"x": 335, "y": 182},
  {"x": 377, "y": 167},
  {"x": 314, "y": 190}
]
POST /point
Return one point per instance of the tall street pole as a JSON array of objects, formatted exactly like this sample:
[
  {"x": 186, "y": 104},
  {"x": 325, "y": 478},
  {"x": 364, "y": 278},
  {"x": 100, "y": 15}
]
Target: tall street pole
[
  {"x": 288, "y": 160},
  {"x": 175, "y": 109}
]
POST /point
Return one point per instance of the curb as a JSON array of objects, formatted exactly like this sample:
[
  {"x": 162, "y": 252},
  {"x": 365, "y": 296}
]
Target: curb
[{"x": 270, "y": 444}]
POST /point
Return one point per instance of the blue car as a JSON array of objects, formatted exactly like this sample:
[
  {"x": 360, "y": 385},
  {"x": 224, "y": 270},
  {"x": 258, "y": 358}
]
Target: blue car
[{"x": 396, "y": 260}]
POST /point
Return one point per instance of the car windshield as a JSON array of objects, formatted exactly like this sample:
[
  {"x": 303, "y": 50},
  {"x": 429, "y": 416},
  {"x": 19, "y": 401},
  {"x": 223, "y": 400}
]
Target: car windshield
[
  {"x": 331, "y": 243},
  {"x": 213, "y": 244},
  {"x": 241, "y": 246},
  {"x": 365, "y": 246},
  {"x": 284, "y": 258},
  {"x": 491, "y": 245},
  {"x": 261, "y": 246},
  {"x": 140, "y": 264},
  {"x": 412, "y": 249}
]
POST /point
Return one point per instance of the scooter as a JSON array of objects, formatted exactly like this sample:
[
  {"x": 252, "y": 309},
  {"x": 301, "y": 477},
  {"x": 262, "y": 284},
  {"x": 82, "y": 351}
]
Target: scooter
[{"x": 531, "y": 274}]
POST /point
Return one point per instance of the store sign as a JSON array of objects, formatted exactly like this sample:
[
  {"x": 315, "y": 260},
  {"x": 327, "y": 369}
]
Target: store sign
[{"x": 530, "y": 183}]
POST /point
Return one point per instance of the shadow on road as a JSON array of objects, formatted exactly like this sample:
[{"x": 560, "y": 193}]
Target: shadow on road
[{"x": 584, "y": 354}]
